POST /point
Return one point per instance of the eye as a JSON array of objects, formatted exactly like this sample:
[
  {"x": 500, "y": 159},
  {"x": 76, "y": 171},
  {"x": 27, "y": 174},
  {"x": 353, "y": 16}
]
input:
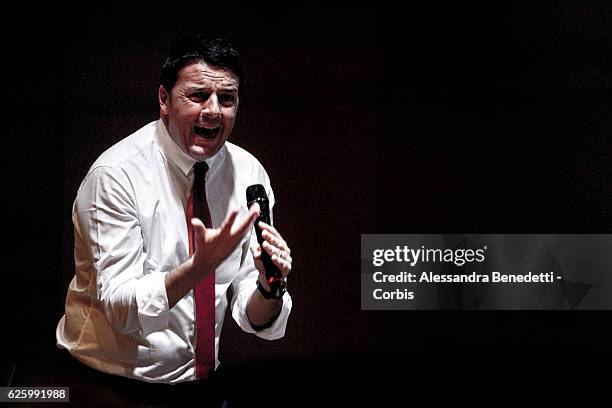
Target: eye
[
  {"x": 227, "y": 99},
  {"x": 199, "y": 96}
]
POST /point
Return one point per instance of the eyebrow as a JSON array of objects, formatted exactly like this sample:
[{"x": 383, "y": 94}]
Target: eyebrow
[{"x": 197, "y": 88}]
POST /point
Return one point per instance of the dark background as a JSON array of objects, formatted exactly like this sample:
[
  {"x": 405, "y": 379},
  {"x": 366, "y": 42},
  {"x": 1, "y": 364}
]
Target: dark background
[{"x": 462, "y": 119}]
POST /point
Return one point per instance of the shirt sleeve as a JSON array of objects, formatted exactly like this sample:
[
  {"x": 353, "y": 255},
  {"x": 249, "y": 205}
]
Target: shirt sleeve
[
  {"x": 131, "y": 290},
  {"x": 243, "y": 287}
]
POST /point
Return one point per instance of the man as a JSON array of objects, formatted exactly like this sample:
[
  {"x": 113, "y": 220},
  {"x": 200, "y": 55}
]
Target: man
[{"x": 134, "y": 307}]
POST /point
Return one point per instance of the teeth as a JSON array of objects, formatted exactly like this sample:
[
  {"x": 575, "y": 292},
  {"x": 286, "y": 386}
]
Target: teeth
[{"x": 205, "y": 132}]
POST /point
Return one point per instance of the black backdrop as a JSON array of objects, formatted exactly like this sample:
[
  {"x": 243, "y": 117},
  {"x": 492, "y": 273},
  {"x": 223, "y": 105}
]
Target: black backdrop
[{"x": 465, "y": 119}]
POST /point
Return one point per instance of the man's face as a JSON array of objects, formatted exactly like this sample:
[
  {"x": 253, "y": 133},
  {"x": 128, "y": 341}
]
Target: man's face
[{"x": 200, "y": 110}]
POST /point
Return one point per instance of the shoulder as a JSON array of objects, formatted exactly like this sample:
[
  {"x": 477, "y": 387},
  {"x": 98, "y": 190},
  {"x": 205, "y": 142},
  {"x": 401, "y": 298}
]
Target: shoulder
[
  {"x": 247, "y": 170},
  {"x": 245, "y": 164},
  {"x": 133, "y": 157},
  {"x": 239, "y": 153},
  {"x": 135, "y": 147}
]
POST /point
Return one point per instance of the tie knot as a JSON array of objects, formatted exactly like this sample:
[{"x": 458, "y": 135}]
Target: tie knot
[{"x": 200, "y": 169}]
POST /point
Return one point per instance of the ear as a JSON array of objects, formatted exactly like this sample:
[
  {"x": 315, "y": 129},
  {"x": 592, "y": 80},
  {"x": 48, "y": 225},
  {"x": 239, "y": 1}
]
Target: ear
[{"x": 163, "y": 97}]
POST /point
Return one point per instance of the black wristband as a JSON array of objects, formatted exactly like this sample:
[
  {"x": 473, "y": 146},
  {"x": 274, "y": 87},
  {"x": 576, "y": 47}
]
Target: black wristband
[{"x": 272, "y": 295}]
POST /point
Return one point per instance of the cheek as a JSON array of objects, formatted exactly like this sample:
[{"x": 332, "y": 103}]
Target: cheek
[
  {"x": 185, "y": 120},
  {"x": 186, "y": 110},
  {"x": 229, "y": 116}
]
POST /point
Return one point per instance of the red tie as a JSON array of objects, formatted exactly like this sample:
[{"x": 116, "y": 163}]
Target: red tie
[{"x": 205, "y": 289}]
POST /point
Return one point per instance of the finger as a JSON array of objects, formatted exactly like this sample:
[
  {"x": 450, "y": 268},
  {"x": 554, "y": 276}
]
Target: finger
[
  {"x": 270, "y": 231},
  {"x": 254, "y": 211},
  {"x": 283, "y": 265},
  {"x": 247, "y": 224},
  {"x": 268, "y": 227},
  {"x": 269, "y": 248},
  {"x": 277, "y": 240},
  {"x": 200, "y": 232},
  {"x": 255, "y": 250},
  {"x": 255, "y": 207},
  {"x": 198, "y": 227},
  {"x": 273, "y": 232},
  {"x": 229, "y": 221},
  {"x": 278, "y": 252}
]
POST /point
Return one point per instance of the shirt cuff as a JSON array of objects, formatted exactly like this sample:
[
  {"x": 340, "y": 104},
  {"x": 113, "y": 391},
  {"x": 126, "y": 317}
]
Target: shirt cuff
[
  {"x": 275, "y": 331},
  {"x": 152, "y": 301}
]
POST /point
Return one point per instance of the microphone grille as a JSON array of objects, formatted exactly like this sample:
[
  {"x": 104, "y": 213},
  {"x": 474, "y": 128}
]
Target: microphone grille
[{"x": 256, "y": 192}]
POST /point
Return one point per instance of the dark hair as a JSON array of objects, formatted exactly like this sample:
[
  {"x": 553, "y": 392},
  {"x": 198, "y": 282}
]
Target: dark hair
[{"x": 215, "y": 51}]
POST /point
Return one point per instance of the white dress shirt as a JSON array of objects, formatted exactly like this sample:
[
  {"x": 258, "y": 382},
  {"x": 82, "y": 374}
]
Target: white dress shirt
[{"x": 130, "y": 230}]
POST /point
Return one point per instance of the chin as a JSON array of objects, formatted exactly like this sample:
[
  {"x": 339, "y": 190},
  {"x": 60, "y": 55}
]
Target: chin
[{"x": 202, "y": 153}]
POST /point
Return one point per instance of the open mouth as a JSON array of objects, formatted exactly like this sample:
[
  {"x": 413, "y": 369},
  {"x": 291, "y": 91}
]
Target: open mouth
[{"x": 206, "y": 132}]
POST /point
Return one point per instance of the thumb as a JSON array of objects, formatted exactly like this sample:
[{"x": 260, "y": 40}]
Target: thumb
[
  {"x": 198, "y": 228},
  {"x": 255, "y": 250}
]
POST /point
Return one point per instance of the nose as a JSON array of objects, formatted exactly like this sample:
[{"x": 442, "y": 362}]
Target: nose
[{"x": 211, "y": 107}]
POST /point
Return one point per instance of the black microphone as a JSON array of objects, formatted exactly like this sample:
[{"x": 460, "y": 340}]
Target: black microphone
[{"x": 257, "y": 194}]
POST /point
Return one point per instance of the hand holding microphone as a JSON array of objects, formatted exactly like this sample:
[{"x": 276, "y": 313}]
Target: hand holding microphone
[{"x": 275, "y": 254}]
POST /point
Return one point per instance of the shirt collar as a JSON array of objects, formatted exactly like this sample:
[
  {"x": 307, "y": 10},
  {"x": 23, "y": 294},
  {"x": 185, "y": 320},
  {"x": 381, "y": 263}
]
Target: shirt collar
[{"x": 174, "y": 153}]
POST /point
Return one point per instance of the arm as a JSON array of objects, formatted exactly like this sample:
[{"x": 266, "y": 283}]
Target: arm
[
  {"x": 110, "y": 256},
  {"x": 266, "y": 318},
  {"x": 260, "y": 310},
  {"x": 135, "y": 294}
]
